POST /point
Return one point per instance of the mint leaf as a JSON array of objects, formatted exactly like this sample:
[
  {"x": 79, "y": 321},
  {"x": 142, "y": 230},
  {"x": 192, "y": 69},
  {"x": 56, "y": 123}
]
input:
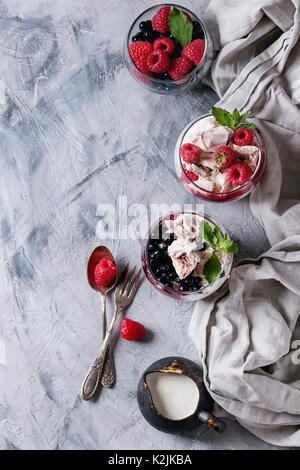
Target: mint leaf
[
  {"x": 233, "y": 120},
  {"x": 217, "y": 236},
  {"x": 181, "y": 28},
  {"x": 213, "y": 236},
  {"x": 236, "y": 117},
  {"x": 244, "y": 116},
  {"x": 212, "y": 268},
  {"x": 222, "y": 116},
  {"x": 248, "y": 125},
  {"x": 228, "y": 246},
  {"x": 206, "y": 232}
]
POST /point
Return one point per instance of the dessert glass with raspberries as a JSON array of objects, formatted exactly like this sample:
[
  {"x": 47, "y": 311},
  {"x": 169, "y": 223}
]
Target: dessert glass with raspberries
[
  {"x": 175, "y": 256},
  {"x": 168, "y": 49},
  {"x": 219, "y": 163}
]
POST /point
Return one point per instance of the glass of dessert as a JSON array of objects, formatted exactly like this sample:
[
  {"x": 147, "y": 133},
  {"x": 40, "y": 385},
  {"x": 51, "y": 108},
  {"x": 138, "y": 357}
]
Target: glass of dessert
[
  {"x": 167, "y": 49},
  {"x": 187, "y": 256},
  {"x": 220, "y": 157}
]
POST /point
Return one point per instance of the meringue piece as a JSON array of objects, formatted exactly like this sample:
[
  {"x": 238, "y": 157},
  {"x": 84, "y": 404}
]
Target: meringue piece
[
  {"x": 200, "y": 126},
  {"x": 214, "y": 138},
  {"x": 208, "y": 163},
  {"x": 222, "y": 181},
  {"x": 248, "y": 153},
  {"x": 184, "y": 256},
  {"x": 200, "y": 170},
  {"x": 185, "y": 226},
  {"x": 204, "y": 176},
  {"x": 205, "y": 182}
]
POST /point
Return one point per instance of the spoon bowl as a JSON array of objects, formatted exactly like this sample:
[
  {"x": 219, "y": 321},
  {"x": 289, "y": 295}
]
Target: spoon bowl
[{"x": 97, "y": 255}]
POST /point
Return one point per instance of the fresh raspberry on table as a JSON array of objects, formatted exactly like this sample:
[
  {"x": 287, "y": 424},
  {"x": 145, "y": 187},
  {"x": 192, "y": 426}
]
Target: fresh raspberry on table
[
  {"x": 141, "y": 63},
  {"x": 190, "y": 153},
  {"x": 132, "y": 330},
  {"x": 140, "y": 48},
  {"x": 191, "y": 175},
  {"x": 225, "y": 156},
  {"x": 158, "y": 61},
  {"x": 166, "y": 45},
  {"x": 242, "y": 137},
  {"x": 239, "y": 173},
  {"x": 105, "y": 272},
  {"x": 180, "y": 67},
  {"x": 194, "y": 51},
  {"x": 160, "y": 21}
]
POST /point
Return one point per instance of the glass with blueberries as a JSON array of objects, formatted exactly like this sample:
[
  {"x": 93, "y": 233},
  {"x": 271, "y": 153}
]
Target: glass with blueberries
[
  {"x": 168, "y": 49},
  {"x": 174, "y": 271}
]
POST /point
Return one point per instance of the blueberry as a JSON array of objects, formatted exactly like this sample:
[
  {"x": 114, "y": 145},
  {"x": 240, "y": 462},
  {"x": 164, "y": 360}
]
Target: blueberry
[
  {"x": 138, "y": 37},
  {"x": 151, "y": 246},
  {"x": 169, "y": 284},
  {"x": 197, "y": 31},
  {"x": 165, "y": 268},
  {"x": 197, "y": 282},
  {"x": 177, "y": 279},
  {"x": 148, "y": 36},
  {"x": 182, "y": 288},
  {"x": 194, "y": 288},
  {"x": 145, "y": 25},
  {"x": 172, "y": 276}
]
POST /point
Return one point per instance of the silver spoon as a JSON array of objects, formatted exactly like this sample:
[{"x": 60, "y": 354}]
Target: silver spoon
[{"x": 108, "y": 376}]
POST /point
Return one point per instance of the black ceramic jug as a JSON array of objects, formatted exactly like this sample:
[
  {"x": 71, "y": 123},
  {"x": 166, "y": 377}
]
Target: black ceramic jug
[{"x": 202, "y": 414}]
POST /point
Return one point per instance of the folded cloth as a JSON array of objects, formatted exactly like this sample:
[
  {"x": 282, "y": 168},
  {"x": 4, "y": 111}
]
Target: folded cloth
[{"x": 248, "y": 334}]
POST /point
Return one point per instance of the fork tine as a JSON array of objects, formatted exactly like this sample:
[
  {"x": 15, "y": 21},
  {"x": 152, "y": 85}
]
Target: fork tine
[
  {"x": 122, "y": 278},
  {"x": 135, "y": 285},
  {"x": 130, "y": 282}
]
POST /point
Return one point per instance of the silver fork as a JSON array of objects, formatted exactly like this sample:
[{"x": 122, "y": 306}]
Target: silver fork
[{"x": 124, "y": 294}]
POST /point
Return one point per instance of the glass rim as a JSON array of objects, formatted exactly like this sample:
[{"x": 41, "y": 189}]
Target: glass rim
[
  {"x": 205, "y": 217},
  {"x": 158, "y": 80},
  {"x": 244, "y": 185}
]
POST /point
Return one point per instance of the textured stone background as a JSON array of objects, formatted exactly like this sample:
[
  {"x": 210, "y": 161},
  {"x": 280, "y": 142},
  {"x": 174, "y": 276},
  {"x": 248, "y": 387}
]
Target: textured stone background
[{"x": 77, "y": 131}]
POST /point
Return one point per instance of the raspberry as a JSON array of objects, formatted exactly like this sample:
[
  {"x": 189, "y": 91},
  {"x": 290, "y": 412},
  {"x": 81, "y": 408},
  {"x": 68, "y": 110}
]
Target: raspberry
[
  {"x": 225, "y": 156},
  {"x": 191, "y": 175},
  {"x": 141, "y": 63},
  {"x": 105, "y": 272},
  {"x": 194, "y": 51},
  {"x": 132, "y": 330},
  {"x": 190, "y": 153},
  {"x": 179, "y": 68},
  {"x": 160, "y": 21},
  {"x": 166, "y": 45},
  {"x": 158, "y": 61},
  {"x": 242, "y": 137},
  {"x": 140, "y": 48},
  {"x": 239, "y": 173}
]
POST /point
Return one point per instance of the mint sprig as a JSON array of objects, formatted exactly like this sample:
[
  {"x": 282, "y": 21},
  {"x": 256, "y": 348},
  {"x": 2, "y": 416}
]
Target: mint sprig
[
  {"x": 181, "y": 28},
  {"x": 233, "y": 120},
  {"x": 214, "y": 238}
]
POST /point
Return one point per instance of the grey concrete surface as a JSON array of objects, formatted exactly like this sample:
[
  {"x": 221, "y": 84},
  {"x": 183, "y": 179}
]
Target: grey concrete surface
[{"x": 76, "y": 131}]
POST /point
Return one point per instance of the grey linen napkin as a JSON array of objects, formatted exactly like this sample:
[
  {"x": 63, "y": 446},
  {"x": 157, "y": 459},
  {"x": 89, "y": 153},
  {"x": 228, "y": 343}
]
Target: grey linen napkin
[{"x": 247, "y": 334}]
